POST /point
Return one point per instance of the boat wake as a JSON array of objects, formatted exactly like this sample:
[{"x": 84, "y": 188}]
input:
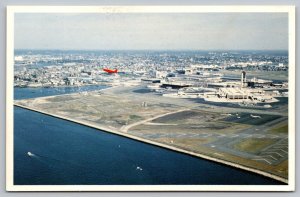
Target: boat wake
[
  {"x": 139, "y": 168},
  {"x": 50, "y": 161},
  {"x": 30, "y": 154}
]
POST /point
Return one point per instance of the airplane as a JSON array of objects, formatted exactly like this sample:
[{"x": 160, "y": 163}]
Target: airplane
[
  {"x": 253, "y": 116},
  {"x": 110, "y": 70}
]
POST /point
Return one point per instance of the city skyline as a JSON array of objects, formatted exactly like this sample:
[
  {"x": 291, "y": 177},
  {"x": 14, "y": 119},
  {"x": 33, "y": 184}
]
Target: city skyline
[{"x": 223, "y": 31}]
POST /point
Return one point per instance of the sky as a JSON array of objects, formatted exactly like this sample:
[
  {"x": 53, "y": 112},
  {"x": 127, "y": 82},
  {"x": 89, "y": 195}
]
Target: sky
[{"x": 152, "y": 31}]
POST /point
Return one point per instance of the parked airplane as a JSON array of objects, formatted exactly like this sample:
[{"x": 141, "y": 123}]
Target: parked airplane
[{"x": 253, "y": 116}]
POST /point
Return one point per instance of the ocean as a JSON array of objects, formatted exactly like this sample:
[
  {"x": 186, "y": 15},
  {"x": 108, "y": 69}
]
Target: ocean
[{"x": 66, "y": 153}]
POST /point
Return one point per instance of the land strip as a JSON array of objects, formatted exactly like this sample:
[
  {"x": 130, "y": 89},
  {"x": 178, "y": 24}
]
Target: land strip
[{"x": 209, "y": 132}]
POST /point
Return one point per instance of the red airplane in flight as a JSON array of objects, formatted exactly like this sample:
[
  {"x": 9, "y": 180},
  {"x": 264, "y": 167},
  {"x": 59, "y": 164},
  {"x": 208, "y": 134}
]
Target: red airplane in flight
[{"x": 110, "y": 71}]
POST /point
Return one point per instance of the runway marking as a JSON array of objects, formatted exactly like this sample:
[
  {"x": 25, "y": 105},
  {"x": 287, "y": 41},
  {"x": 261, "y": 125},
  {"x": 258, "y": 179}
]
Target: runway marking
[
  {"x": 219, "y": 154},
  {"x": 270, "y": 156},
  {"x": 280, "y": 146},
  {"x": 221, "y": 135},
  {"x": 207, "y": 135},
  {"x": 163, "y": 135},
  {"x": 261, "y": 159},
  {"x": 279, "y": 149},
  {"x": 274, "y": 153},
  {"x": 194, "y": 135},
  {"x": 247, "y": 136},
  {"x": 273, "y": 136},
  {"x": 258, "y": 136}
]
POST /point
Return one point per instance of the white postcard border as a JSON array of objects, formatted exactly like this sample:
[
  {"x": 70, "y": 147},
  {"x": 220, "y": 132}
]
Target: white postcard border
[{"x": 11, "y": 10}]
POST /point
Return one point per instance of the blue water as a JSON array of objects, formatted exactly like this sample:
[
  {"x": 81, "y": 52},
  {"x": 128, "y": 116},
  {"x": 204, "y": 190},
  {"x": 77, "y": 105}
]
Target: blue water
[
  {"x": 67, "y": 153},
  {"x": 23, "y": 93}
]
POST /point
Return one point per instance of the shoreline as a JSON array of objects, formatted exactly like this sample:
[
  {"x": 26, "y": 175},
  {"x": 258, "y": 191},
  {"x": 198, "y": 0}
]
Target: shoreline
[
  {"x": 161, "y": 145},
  {"x": 62, "y": 86}
]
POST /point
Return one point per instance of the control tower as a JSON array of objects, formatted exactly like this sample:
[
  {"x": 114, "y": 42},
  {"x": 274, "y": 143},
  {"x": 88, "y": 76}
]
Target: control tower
[{"x": 243, "y": 80}]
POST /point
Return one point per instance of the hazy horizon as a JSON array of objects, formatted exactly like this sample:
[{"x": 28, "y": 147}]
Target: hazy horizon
[
  {"x": 171, "y": 32},
  {"x": 162, "y": 50}
]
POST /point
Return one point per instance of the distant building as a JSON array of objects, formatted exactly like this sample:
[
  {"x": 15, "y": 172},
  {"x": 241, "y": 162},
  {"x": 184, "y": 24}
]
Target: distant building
[
  {"x": 243, "y": 80},
  {"x": 161, "y": 74},
  {"x": 232, "y": 93}
]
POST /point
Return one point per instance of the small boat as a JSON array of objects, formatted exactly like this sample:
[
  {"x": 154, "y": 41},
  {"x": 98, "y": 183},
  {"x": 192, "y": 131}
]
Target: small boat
[
  {"x": 30, "y": 154},
  {"x": 139, "y": 168}
]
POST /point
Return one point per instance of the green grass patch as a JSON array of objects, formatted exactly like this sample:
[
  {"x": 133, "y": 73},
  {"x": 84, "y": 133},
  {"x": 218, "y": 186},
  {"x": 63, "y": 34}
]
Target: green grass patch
[
  {"x": 135, "y": 117},
  {"x": 253, "y": 145},
  {"x": 280, "y": 129}
]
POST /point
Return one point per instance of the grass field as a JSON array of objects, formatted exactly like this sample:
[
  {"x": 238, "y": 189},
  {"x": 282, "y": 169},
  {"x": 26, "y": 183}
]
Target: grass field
[
  {"x": 253, "y": 145},
  {"x": 280, "y": 129}
]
